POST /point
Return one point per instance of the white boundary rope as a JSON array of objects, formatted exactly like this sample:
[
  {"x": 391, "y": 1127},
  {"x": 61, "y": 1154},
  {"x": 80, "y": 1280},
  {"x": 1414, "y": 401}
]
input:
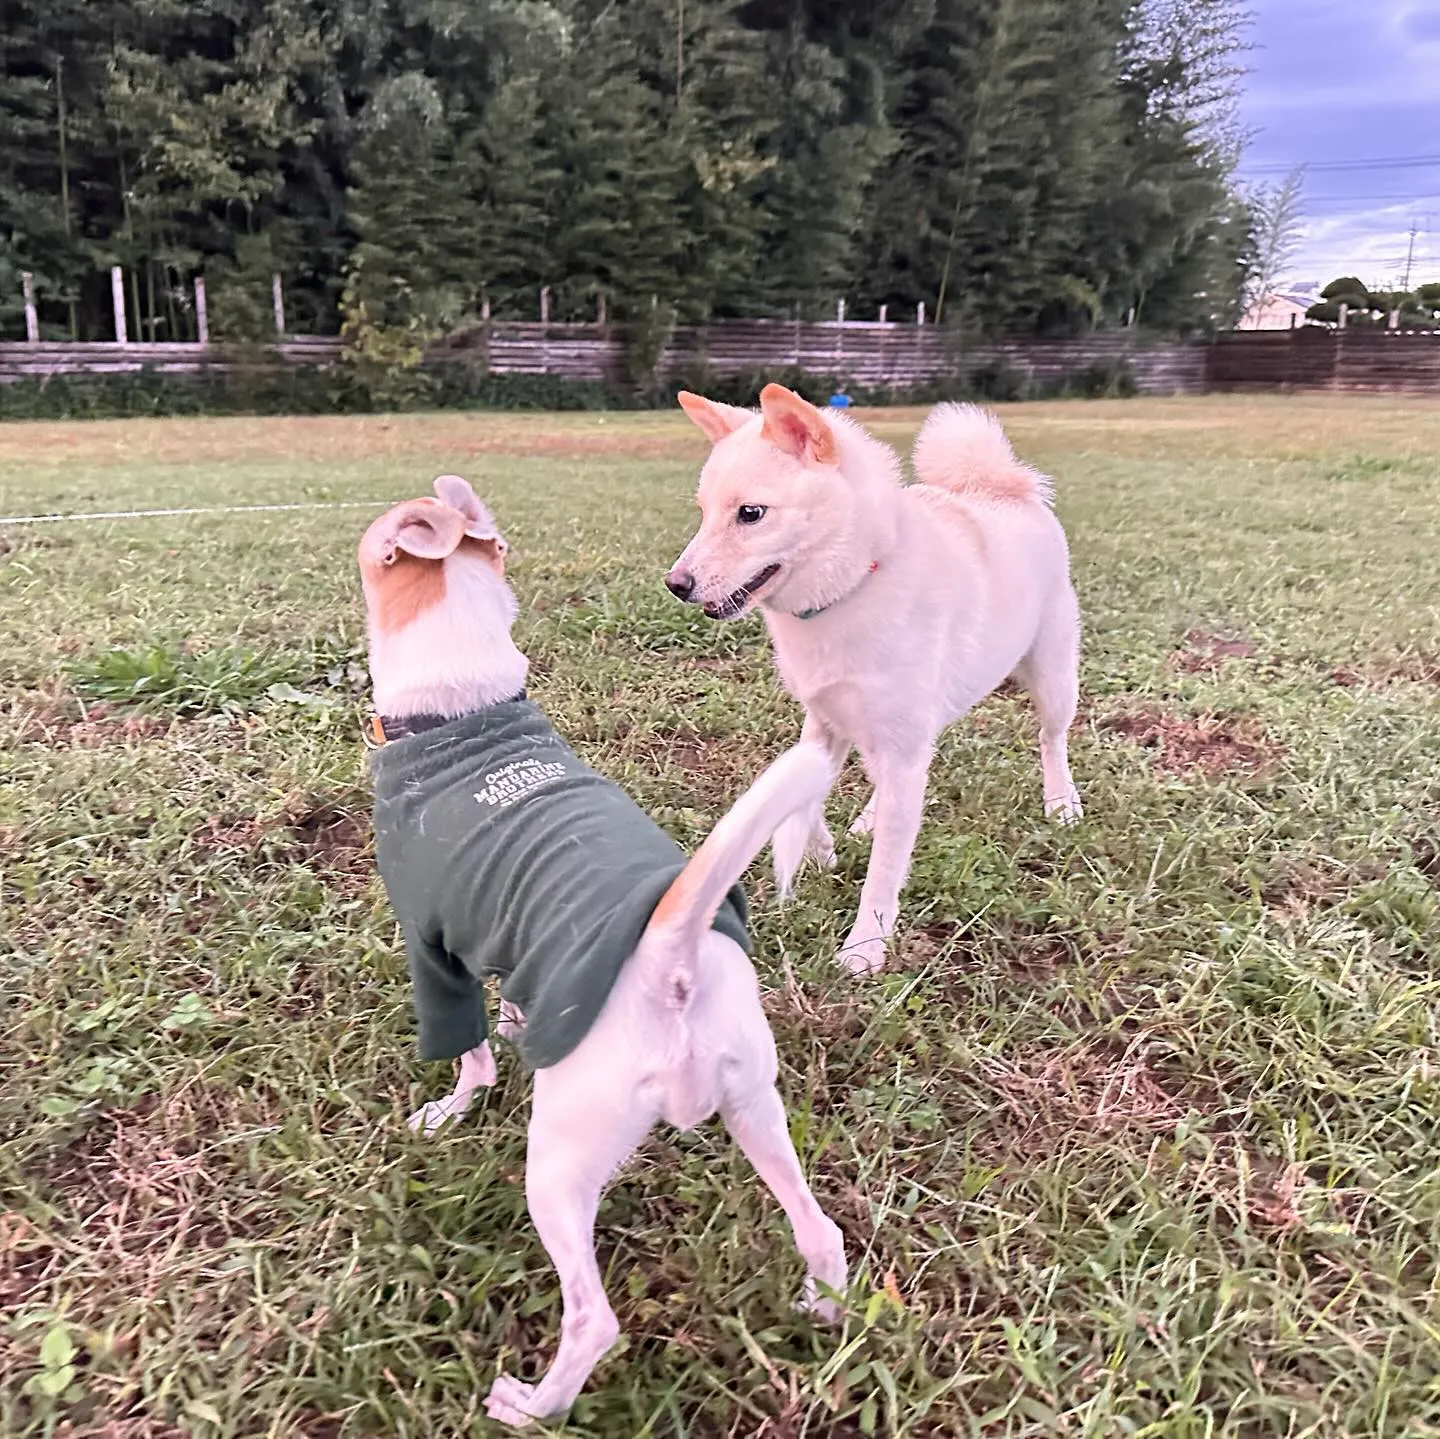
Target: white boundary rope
[{"x": 212, "y": 510}]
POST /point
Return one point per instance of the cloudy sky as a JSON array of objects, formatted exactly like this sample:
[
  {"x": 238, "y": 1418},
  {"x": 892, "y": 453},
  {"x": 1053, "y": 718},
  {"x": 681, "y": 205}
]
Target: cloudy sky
[{"x": 1351, "y": 89}]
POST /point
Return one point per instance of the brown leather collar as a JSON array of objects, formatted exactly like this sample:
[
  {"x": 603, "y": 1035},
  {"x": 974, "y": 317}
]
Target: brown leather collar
[{"x": 385, "y": 729}]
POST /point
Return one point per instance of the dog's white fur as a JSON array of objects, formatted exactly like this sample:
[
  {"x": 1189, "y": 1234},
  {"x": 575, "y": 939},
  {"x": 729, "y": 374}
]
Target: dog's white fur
[
  {"x": 930, "y": 595},
  {"x": 682, "y": 1035}
]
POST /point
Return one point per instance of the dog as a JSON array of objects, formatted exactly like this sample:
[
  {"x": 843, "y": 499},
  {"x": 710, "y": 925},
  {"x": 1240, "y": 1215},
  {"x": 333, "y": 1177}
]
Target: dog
[
  {"x": 621, "y": 965},
  {"x": 892, "y": 608}
]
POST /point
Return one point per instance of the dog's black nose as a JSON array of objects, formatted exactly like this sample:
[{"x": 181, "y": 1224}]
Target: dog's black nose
[{"x": 680, "y": 583}]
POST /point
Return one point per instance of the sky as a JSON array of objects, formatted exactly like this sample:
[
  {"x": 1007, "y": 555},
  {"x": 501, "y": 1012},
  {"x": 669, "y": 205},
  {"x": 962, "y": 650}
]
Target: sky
[{"x": 1336, "y": 82}]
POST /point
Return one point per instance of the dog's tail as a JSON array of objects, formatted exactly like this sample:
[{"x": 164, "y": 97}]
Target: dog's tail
[
  {"x": 800, "y": 777},
  {"x": 963, "y": 449}
]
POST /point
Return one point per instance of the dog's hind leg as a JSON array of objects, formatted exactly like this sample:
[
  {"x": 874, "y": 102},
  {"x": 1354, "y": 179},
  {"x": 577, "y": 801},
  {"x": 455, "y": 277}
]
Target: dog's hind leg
[
  {"x": 758, "y": 1124},
  {"x": 1051, "y": 673},
  {"x": 572, "y": 1152},
  {"x": 805, "y": 835}
]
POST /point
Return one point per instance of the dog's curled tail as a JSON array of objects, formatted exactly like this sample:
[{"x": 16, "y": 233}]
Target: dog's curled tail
[
  {"x": 964, "y": 449},
  {"x": 802, "y": 776}
]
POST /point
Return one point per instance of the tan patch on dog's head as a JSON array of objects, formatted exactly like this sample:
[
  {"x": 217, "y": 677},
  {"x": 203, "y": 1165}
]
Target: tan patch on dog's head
[
  {"x": 795, "y": 426},
  {"x": 402, "y": 559},
  {"x": 402, "y": 555},
  {"x": 406, "y": 591}
]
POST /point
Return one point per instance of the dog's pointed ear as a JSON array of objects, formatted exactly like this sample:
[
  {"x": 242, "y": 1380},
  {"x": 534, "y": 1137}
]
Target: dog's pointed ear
[
  {"x": 794, "y": 425},
  {"x": 422, "y": 528},
  {"x": 713, "y": 419},
  {"x": 479, "y": 522}
]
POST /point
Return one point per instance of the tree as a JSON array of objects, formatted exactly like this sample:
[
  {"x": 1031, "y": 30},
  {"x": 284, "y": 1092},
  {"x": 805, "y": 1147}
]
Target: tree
[
  {"x": 1032, "y": 165},
  {"x": 1347, "y": 291},
  {"x": 1276, "y": 217}
]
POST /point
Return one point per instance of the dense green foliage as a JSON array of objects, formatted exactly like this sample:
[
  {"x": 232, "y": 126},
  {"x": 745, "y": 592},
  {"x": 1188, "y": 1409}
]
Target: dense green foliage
[
  {"x": 1015, "y": 165},
  {"x": 1417, "y": 309}
]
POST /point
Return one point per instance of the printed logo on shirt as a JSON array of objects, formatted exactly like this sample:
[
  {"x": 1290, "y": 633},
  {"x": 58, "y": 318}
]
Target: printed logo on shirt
[{"x": 512, "y": 782}]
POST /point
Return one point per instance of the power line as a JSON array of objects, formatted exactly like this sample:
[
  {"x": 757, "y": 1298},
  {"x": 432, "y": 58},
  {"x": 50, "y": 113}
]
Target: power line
[
  {"x": 1367, "y": 199},
  {"x": 1394, "y": 162}
]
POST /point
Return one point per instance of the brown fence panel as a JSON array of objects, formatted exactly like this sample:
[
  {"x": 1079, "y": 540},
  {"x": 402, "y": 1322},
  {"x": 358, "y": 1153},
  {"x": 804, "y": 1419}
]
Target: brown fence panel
[
  {"x": 1302, "y": 358},
  {"x": 1383, "y": 361},
  {"x": 857, "y": 353},
  {"x": 1311, "y": 357},
  {"x": 854, "y": 353}
]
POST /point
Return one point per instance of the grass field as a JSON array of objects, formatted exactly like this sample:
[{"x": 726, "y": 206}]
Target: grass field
[{"x": 1139, "y": 1135}]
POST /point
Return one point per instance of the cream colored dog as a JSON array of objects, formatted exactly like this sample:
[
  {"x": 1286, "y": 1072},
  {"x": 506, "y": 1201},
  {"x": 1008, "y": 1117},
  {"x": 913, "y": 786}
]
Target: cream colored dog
[
  {"x": 893, "y": 608},
  {"x": 681, "y": 1034}
]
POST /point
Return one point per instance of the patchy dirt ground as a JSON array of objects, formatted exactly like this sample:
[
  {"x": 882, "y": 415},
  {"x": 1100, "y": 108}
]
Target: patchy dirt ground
[{"x": 1215, "y": 745}]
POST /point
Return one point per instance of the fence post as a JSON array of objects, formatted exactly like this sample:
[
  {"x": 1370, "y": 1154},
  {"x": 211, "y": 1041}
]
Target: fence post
[
  {"x": 1393, "y": 322},
  {"x": 600, "y": 310},
  {"x": 485, "y": 309},
  {"x": 1344, "y": 314},
  {"x": 544, "y": 304},
  {"x": 278, "y": 294},
  {"x": 32, "y": 321},
  {"x": 920, "y": 313},
  {"x": 884, "y": 309},
  {"x": 117, "y": 297},
  {"x": 202, "y": 315}
]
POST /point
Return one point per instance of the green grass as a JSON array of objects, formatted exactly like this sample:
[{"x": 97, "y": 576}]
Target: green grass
[{"x": 1139, "y": 1135}]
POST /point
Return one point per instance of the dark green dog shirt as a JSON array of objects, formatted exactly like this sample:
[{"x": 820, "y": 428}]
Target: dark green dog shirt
[{"x": 504, "y": 854}]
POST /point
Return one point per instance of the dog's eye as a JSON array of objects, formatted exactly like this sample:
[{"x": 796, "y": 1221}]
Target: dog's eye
[{"x": 750, "y": 514}]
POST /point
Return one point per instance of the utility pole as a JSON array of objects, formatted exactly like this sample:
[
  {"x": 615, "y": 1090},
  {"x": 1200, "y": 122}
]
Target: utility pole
[{"x": 1409, "y": 258}]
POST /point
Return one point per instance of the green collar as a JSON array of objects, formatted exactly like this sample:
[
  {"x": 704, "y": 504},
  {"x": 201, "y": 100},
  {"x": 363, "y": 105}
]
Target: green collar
[{"x": 820, "y": 609}]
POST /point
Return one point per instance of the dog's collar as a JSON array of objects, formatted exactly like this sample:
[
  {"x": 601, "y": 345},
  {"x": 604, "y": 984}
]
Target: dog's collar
[
  {"x": 820, "y": 609},
  {"x": 381, "y": 730}
]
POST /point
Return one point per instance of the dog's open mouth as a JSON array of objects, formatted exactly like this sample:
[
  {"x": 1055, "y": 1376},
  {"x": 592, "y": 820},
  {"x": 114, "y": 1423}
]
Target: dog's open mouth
[{"x": 738, "y": 602}]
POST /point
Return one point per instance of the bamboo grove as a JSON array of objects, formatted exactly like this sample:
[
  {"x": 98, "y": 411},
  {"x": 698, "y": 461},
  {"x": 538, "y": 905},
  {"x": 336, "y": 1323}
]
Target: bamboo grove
[{"x": 1017, "y": 166}]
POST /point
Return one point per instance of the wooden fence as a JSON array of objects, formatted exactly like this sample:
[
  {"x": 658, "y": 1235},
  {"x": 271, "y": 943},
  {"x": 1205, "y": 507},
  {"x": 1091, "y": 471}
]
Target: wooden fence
[
  {"x": 858, "y": 353},
  {"x": 861, "y": 353},
  {"x": 46, "y": 358},
  {"x": 1310, "y": 357}
]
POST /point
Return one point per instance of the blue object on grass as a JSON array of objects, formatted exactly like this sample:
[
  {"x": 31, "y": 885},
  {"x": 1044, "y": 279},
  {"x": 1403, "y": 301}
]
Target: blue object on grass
[{"x": 839, "y": 401}]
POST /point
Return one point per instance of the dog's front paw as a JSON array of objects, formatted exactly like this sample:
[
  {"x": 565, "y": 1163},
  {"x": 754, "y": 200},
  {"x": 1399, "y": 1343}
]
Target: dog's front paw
[
  {"x": 814, "y": 1305},
  {"x": 864, "y": 822},
  {"x": 822, "y": 845},
  {"x": 863, "y": 954},
  {"x": 788, "y": 845},
  {"x": 1066, "y": 809},
  {"x": 509, "y": 1400},
  {"x": 430, "y": 1117},
  {"x": 797, "y": 839}
]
